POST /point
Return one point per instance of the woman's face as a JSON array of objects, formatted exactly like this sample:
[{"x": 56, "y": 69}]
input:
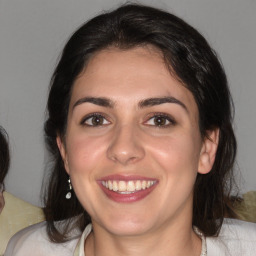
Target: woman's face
[{"x": 132, "y": 146}]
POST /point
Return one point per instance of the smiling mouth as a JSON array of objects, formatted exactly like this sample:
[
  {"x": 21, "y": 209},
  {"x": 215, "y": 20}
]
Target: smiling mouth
[{"x": 127, "y": 187}]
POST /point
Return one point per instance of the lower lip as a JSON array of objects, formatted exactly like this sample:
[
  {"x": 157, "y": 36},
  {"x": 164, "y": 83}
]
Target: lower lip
[{"x": 127, "y": 198}]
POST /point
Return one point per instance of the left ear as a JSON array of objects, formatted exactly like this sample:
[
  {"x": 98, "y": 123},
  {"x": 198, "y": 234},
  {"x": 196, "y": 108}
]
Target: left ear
[
  {"x": 208, "y": 151},
  {"x": 63, "y": 153}
]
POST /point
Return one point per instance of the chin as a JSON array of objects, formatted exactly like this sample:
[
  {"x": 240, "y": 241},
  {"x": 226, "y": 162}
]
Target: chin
[{"x": 127, "y": 226}]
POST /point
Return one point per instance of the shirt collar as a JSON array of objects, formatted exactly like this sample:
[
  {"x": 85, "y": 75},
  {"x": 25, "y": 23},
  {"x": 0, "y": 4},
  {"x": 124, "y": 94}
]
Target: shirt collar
[{"x": 79, "y": 251}]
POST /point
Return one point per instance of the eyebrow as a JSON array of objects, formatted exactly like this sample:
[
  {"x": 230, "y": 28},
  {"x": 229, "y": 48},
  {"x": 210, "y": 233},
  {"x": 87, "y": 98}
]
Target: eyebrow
[
  {"x": 105, "y": 102},
  {"x": 158, "y": 101}
]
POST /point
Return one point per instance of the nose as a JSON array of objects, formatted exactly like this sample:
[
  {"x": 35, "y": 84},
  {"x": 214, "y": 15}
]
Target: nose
[{"x": 125, "y": 147}]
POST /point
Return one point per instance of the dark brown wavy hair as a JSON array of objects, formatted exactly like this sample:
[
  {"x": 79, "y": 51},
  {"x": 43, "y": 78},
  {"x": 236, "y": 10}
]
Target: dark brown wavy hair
[
  {"x": 190, "y": 59},
  {"x": 4, "y": 154}
]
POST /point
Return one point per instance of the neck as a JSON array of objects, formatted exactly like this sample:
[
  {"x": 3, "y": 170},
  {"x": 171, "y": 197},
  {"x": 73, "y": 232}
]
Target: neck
[{"x": 176, "y": 240}]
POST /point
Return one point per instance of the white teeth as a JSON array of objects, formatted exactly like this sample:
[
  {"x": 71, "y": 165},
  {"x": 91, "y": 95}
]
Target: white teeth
[
  {"x": 149, "y": 184},
  {"x": 115, "y": 186},
  {"x": 110, "y": 186},
  {"x": 126, "y": 187},
  {"x": 143, "y": 184},
  {"x": 122, "y": 186},
  {"x": 130, "y": 186},
  {"x": 138, "y": 185}
]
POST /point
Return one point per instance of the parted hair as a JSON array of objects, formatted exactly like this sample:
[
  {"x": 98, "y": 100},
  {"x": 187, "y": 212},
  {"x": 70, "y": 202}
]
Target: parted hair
[
  {"x": 4, "y": 154},
  {"x": 193, "y": 62}
]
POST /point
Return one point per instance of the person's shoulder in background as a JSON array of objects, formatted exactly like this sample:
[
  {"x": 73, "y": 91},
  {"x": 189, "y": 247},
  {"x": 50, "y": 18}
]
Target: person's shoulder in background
[
  {"x": 236, "y": 238},
  {"x": 16, "y": 215},
  {"x": 34, "y": 240},
  {"x": 246, "y": 207}
]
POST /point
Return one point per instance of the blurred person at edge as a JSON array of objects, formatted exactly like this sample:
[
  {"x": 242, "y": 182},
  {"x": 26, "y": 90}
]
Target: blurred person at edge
[
  {"x": 4, "y": 164},
  {"x": 140, "y": 129},
  {"x": 15, "y": 214}
]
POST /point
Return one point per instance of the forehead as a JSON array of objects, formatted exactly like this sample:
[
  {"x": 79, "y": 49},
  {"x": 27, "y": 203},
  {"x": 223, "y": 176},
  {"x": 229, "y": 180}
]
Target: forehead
[{"x": 133, "y": 74}]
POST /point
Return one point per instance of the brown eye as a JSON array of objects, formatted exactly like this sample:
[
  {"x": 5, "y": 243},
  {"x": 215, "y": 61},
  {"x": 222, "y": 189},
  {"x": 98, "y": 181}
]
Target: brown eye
[
  {"x": 95, "y": 120},
  {"x": 160, "y": 121}
]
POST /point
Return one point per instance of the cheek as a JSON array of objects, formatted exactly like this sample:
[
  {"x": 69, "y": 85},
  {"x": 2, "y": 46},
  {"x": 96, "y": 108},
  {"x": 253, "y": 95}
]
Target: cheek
[
  {"x": 84, "y": 153},
  {"x": 177, "y": 158},
  {"x": 177, "y": 155},
  {"x": 174, "y": 162}
]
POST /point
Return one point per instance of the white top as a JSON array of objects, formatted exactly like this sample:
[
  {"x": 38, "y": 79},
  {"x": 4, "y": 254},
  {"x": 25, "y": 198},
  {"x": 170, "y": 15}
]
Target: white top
[{"x": 236, "y": 238}]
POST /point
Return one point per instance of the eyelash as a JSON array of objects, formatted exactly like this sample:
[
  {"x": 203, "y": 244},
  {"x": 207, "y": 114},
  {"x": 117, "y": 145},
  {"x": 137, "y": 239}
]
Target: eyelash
[
  {"x": 96, "y": 115},
  {"x": 168, "y": 118}
]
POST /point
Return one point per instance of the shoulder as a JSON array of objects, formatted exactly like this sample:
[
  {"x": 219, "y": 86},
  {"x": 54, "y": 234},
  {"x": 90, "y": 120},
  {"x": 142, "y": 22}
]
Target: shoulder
[
  {"x": 238, "y": 229},
  {"x": 236, "y": 238},
  {"x": 13, "y": 202},
  {"x": 20, "y": 214},
  {"x": 33, "y": 240},
  {"x": 16, "y": 215}
]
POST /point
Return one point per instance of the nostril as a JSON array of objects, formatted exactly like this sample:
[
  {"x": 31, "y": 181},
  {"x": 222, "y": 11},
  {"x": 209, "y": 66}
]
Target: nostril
[
  {"x": 125, "y": 155},
  {"x": 126, "y": 146},
  {"x": 122, "y": 157}
]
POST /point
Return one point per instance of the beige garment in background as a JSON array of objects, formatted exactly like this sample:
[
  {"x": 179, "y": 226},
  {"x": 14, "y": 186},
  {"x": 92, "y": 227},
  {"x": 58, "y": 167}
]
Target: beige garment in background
[
  {"x": 16, "y": 215},
  {"x": 246, "y": 209}
]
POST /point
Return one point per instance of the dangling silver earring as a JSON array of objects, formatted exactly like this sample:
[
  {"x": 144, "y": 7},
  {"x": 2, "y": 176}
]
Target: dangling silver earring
[{"x": 68, "y": 195}]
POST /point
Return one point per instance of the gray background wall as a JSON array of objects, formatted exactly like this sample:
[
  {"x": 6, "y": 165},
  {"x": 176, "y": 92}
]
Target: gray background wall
[{"x": 32, "y": 33}]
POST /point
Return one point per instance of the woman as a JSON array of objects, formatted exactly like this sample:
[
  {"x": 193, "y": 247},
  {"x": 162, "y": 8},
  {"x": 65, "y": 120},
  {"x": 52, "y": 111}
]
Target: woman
[{"x": 140, "y": 130}]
